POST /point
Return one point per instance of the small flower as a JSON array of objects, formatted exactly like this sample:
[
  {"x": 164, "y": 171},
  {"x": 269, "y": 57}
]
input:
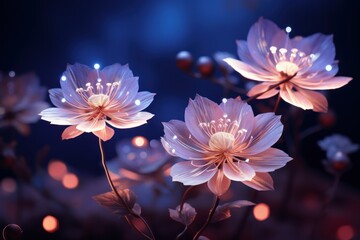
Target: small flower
[
  {"x": 222, "y": 143},
  {"x": 186, "y": 215},
  {"x": 90, "y": 99},
  {"x": 337, "y": 148},
  {"x": 291, "y": 67},
  {"x": 21, "y": 101}
]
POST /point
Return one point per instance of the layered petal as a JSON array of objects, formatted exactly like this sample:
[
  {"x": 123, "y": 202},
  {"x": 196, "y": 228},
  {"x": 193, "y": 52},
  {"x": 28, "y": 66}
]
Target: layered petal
[
  {"x": 238, "y": 171},
  {"x": 267, "y": 131},
  {"x": 136, "y": 120},
  {"x": 263, "y": 88},
  {"x": 319, "y": 101},
  {"x": 219, "y": 183},
  {"x": 320, "y": 83},
  {"x": 71, "y": 132},
  {"x": 186, "y": 173},
  {"x": 60, "y": 116},
  {"x": 179, "y": 142},
  {"x": 105, "y": 133},
  {"x": 261, "y": 182},
  {"x": 292, "y": 96},
  {"x": 268, "y": 160},
  {"x": 201, "y": 110},
  {"x": 91, "y": 126}
]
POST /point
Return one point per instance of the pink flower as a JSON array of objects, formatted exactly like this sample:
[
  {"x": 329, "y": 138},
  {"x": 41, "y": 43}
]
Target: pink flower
[
  {"x": 222, "y": 143},
  {"x": 291, "y": 67},
  {"x": 90, "y": 99},
  {"x": 21, "y": 101}
]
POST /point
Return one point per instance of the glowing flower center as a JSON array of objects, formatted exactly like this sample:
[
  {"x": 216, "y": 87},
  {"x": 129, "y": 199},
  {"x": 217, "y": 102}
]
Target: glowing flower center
[
  {"x": 222, "y": 141},
  {"x": 290, "y": 62},
  {"x": 100, "y": 95},
  {"x": 98, "y": 100}
]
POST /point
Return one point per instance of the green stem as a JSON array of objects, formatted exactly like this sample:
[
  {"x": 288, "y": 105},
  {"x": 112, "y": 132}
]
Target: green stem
[{"x": 208, "y": 220}]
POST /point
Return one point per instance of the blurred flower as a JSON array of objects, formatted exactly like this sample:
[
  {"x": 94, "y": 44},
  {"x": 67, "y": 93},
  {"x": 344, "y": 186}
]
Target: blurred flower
[
  {"x": 337, "y": 148},
  {"x": 186, "y": 215},
  {"x": 224, "y": 142},
  {"x": 292, "y": 67},
  {"x": 89, "y": 98},
  {"x": 21, "y": 101}
]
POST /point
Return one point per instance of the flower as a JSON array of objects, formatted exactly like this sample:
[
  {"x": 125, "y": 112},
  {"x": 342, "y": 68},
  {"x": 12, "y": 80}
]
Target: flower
[
  {"x": 21, "y": 100},
  {"x": 292, "y": 67},
  {"x": 89, "y": 98},
  {"x": 222, "y": 143}
]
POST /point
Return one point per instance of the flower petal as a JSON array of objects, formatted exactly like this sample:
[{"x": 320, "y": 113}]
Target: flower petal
[
  {"x": 238, "y": 171},
  {"x": 268, "y": 160},
  {"x": 136, "y": 120},
  {"x": 262, "y": 88},
  {"x": 251, "y": 72},
  {"x": 179, "y": 142},
  {"x": 71, "y": 132},
  {"x": 291, "y": 95},
  {"x": 219, "y": 183},
  {"x": 319, "y": 83},
  {"x": 201, "y": 110},
  {"x": 60, "y": 116},
  {"x": 261, "y": 182},
  {"x": 319, "y": 101},
  {"x": 244, "y": 53},
  {"x": 186, "y": 173},
  {"x": 267, "y": 131},
  {"x": 57, "y": 98},
  {"x": 105, "y": 134},
  {"x": 31, "y": 114},
  {"x": 142, "y": 101},
  {"x": 91, "y": 126}
]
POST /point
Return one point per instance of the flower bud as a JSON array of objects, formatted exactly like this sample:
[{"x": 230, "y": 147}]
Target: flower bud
[
  {"x": 12, "y": 232},
  {"x": 205, "y": 66},
  {"x": 338, "y": 164},
  {"x": 184, "y": 60}
]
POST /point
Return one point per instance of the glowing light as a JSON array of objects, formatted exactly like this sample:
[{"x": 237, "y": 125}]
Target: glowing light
[
  {"x": 8, "y": 185},
  {"x": 96, "y": 66},
  {"x": 328, "y": 67},
  {"x": 137, "y": 102},
  {"x": 11, "y": 74},
  {"x": 63, "y": 78},
  {"x": 139, "y": 141},
  {"x": 288, "y": 29},
  {"x": 224, "y": 100},
  {"x": 63, "y": 100},
  {"x": 70, "y": 181},
  {"x": 345, "y": 232},
  {"x": 57, "y": 170},
  {"x": 50, "y": 224},
  {"x": 261, "y": 211}
]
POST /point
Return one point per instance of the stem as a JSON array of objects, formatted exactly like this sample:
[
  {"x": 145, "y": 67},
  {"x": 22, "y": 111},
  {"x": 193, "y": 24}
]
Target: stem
[
  {"x": 326, "y": 203},
  {"x": 183, "y": 198},
  {"x": 131, "y": 212},
  {"x": 182, "y": 233},
  {"x": 277, "y": 103},
  {"x": 270, "y": 88},
  {"x": 136, "y": 228},
  {"x": 211, "y": 214}
]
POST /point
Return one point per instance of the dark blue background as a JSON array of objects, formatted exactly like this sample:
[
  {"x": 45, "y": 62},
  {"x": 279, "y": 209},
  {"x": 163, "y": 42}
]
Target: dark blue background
[{"x": 43, "y": 36}]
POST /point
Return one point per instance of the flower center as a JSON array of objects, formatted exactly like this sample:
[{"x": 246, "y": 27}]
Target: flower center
[
  {"x": 289, "y": 62},
  {"x": 98, "y": 100},
  {"x": 222, "y": 141}
]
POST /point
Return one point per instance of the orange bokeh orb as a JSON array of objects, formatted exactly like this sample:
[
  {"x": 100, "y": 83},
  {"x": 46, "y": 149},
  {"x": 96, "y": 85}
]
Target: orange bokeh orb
[
  {"x": 57, "y": 169},
  {"x": 261, "y": 211},
  {"x": 70, "y": 181},
  {"x": 139, "y": 141},
  {"x": 50, "y": 224},
  {"x": 345, "y": 232}
]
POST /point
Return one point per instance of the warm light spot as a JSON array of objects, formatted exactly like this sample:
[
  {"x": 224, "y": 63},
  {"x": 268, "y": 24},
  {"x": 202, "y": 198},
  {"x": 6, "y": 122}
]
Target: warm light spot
[
  {"x": 70, "y": 181},
  {"x": 328, "y": 67},
  {"x": 261, "y": 211},
  {"x": 167, "y": 172},
  {"x": 139, "y": 141},
  {"x": 50, "y": 224},
  {"x": 57, "y": 169},
  {"x": 8, "y": 185},
  {"x": 345, "y": 232},
  {"x": 96, "y": 66},
  {"x": 288, "y": 29}
]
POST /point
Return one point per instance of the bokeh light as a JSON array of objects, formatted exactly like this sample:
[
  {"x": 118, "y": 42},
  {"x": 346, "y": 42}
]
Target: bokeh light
[
  {"x": 8, "y": 185},
  {"x": 139, "y": 141},
  {"x": 261, "y": 211},
  {"x": 50, "y": 224},
  {"x": 70, "y": 181},
  {"x": 345, "y": 232},
  {"x": 57, "y": 169}
]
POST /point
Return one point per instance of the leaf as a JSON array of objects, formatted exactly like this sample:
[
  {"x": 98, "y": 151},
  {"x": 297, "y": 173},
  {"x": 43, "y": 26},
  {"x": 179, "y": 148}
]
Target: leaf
[
  {"x": 222, "y": 212},
  {"x": 186, "y": 216},
  {"x": 112, "y": 202}
]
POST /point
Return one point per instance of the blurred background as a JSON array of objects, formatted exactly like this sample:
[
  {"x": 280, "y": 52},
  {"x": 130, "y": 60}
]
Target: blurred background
[{"x": 44, "y": 36}]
